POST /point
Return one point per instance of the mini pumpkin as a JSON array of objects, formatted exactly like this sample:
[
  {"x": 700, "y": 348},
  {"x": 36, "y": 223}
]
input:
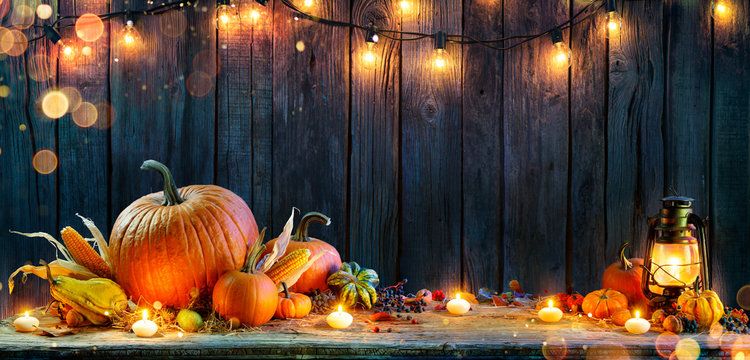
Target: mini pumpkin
[
  {"x": 356, "y": 284},
  {"x": 292, "y": 305},
  {"x": 658, "y": 316},
  {"x": 621, "y": 316},
  {"x": 604, "y": 302},
  {"x": 672, "y": 324},
  {"x": 247, "y": 295},
  {"x": 625, "y": 276},
  {"x": 705, "y": 307}
]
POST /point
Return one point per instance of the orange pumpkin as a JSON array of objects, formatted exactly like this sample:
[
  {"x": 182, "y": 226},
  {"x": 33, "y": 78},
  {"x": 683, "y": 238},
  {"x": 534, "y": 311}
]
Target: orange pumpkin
[
  {"x": 619, "y": 317},
  {"x": 167, "y": 243},
  {"x": 246, "y": 295},
  {"x": 603, "y": 303},
  {"x": 292, "y": 305},
  {"x": 625, "y": 276},
  {"x": 317, "y": 275}
]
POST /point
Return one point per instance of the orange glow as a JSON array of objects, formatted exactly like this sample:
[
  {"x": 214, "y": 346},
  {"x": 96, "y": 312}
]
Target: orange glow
[
  {"x": 145, "y": 314},
  {"x": 562, "y": 55},
  {"x": 614, "y": 23},
  {"x": 721, "y": 9},
  {"x": 55, "y": 104},
  {"x": 68, "y": 52},
  {"x": 406, "y": 7},
  {"x": 254, "y": 16},
  {"x": 225, "y": 16},
  {"x": 89, "y": 27},
  {"x": 44, "y": 162},
  {"x": 369, "y": 57},
  {"x": 440, "y": 59},
  {"x": 674, "y": 265}
]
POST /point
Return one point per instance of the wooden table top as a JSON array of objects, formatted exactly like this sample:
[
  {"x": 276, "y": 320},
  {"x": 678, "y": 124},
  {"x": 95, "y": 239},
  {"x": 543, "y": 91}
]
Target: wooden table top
[{"x": 485, "y": 332}]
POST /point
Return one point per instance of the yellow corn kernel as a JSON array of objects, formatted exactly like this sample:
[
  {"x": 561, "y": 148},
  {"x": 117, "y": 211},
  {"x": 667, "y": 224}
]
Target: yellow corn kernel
[
  {"x": 83, "y": 253},
  {"x": 288, "y": 264}
]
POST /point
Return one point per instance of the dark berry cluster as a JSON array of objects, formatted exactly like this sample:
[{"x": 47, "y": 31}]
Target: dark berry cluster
[
  {"x": 393, "y": 299},
  {"x": 735, "y": 320},
  {"x": 689, "y": 324}
]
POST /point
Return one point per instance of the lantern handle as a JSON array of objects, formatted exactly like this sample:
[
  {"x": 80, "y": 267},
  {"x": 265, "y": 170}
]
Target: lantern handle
[
  {"x": 650, "y": 239},
  {"x": 700, "y": 229}
]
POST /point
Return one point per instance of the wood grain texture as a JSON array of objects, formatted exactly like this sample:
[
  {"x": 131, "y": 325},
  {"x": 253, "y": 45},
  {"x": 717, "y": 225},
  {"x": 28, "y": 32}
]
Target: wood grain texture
[
  {"x": 430, "y": 248},
  {"x": 84, "y": 151},
  {"x": 311, "y": 119},
  {"x": 482, "y": 173},
  {"x": 635, "y": 152},
  {"x": 536, "y": 150},
  {"x": 730, "y": 158},
  {"x": 29, "y": 199},
  {"x": 687, "y": 103},
  {"x": 588, "y": 144},
  {"x": 234, "y": 145},
  {"x": 262, "y": 110},
  {"x": 374, "y": 160},
  {"x": 163, "y": 102}
]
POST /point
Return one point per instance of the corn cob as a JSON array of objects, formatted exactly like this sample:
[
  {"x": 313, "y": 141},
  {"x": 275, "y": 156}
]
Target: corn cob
[
  {"x": 288, "y": 264},
  {"x": 83, "y": 253}
]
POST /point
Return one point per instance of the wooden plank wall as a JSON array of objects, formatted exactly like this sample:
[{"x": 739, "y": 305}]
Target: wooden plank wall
[{"x": 499, "y": 167}]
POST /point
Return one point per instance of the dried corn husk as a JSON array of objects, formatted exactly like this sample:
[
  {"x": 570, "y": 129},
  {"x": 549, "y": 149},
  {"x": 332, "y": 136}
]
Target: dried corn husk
[
  {"x": 279, "y": 248},
  {"x": 56, "y": 243},
  {"x": 294, "y": 276},
  {"x": 101, "y": 243},
  {"x": 57, "y": 267}
]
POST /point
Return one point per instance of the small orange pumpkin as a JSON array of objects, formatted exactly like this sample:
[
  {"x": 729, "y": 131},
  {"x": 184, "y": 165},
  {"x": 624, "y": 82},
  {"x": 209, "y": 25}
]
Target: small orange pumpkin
[
  {"x": 705, "y": 306},
  {"x": 621, "y": 316},
  {"x": 247, "y": 295},
  {"x": 603, "y": 303},
  {"x": 292, "y": 305},
  {"x": 625, "y": 276},
  {"x": 672, "y": 324}
]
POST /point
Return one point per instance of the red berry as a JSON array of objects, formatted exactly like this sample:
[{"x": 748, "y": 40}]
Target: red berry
[
  {"x": 413, "y": 321},
  {"x": 376, "y": 329}
]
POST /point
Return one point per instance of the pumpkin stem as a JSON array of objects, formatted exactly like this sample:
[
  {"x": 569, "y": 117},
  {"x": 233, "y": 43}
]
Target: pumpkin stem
[
  {"x": 286, "y": 290},
  {"x": 253, "y": 253},
  {"x": 171, "y": 194},
  {"x": 301, "y": 234},
  {"x": 626, "y": 264}
]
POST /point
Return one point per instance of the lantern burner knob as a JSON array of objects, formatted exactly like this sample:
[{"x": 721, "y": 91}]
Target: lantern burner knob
[{"x": 677, "y": 202}]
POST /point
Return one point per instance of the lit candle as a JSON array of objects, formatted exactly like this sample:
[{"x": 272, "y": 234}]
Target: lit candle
[
  {"x": 339, "y": 319},
  {"x": 550, "y": 314},
  {"x": 637, "y": 325},
  {"x": 145, "y": 327},
  {"x": 26, "y": 323},
  {"x": 458, "y": 306}
]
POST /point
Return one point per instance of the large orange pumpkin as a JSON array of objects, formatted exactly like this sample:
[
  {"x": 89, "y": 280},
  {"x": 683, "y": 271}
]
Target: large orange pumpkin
[
  {"x": 248, "y": 295},
  {"x": 604, "y": 303},
  {"x": 317, "y": 275},
  {"x": 167, "y": 243},
  {"x": 625, "y": 276},
  {"x": 292, "y": 305}
]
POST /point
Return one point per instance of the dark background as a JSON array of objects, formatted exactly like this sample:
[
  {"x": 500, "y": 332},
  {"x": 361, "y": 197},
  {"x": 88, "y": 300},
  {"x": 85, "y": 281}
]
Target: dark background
[{"x": 500, "y": 168}]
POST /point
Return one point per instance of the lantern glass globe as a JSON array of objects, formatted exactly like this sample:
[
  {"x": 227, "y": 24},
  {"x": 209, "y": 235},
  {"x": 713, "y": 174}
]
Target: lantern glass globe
[{"x": 674, "y": 265}]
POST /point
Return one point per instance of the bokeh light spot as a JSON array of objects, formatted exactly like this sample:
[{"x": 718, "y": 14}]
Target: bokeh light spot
[
  {"x": 666, "y": 343},
  {"x": 300, "y": 46},
  {"x": 44, "y": 11},
  {"x": 173, "y": 24},
  {"x": 741, "y": 348},
  {"x": 687, "y": 349},
  {"x": 22, "y": 17},
  {"x": 199, "y": 84},
  {"x": 22, "y": 127},
  {"x": 554, "y": 348},
  {"x": 13, "y": 42},
  {"x": 55, "y": 104},
  {"x": 87, "y": 51},
  {"x": 105, "y": 116},
  {"x": 743, "y": 297},
  {"x": 4, "y": 91},
  {"x": 45, "y": 162},
  {"x": 86, "y": 115},
  {"x": 74, "y": 97},
  {"x": 89, "y": 27}
]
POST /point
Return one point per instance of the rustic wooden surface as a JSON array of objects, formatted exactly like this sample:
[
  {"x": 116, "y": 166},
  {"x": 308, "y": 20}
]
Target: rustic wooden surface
[
  {"x": 485, "y": 332},
  {"x": 458, "y": 181}
]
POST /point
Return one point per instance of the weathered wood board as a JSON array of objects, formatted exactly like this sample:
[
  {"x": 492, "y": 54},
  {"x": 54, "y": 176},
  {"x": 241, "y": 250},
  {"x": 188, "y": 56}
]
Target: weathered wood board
[{"x": 485, "y": 332}]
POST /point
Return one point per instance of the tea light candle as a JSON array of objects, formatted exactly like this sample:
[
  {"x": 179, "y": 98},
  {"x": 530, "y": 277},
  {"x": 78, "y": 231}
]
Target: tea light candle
[
  {"x": 458, "y": 306},
  {"x": 145, "y": 327},
  {"x": 26, "y": 323},
  {"x": 550, "y": 314},
  {"x": 339, "y": 319},
  {"x": 637, "y": 325}
]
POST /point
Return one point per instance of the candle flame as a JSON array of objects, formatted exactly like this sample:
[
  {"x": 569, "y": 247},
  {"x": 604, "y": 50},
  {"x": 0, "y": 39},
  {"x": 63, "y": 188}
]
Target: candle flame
[
  {"x": 341, "y": 308},
  {"x": 637, "y": 314},
  {"x": 145, "y": 314},
  {"x": 106, "y": 313},
  {"x": 26, "y": 314},
  {"x": 458, "y": 296},
  {"x": 550, "y": 303}
]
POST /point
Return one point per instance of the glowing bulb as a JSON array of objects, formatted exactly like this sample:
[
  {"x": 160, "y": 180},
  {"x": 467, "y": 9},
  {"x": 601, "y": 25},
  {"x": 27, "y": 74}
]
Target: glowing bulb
[
  {"x": 44, "y": 11},
  {"x": 614, "y": 23},
  {"x": 440, "y": 62},
  {"x": 369, "y": 57},
  {"x": 721, "y": 9},
  {"x": 225, "y": 15},
  {"x": 87, "y": 51},
  {"x": 254, "y": 16},
  {"x": 308, "y": 3},
  {"x": 562, "y": 55},
  {"x": 130, "y": 37},
  {"x": 68, "y": 52},
  {"x": 406, "y": 7}
]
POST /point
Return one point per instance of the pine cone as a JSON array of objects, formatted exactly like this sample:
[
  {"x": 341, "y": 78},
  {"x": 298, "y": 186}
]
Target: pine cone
[{"x": 323, "y": 302}]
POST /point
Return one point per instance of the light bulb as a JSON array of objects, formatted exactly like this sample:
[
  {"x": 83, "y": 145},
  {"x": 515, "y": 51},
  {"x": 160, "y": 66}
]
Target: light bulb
[
  {"x": 68, "y": 52},
  {"x": 406, "y": 7},
  {"x": 614, "y": 23},
  {"x": 225, "y": 16},
  {"x": 308, "y": 4},
  {"x": 561, "y": 54},
  {"x": 254, "y": 16},
  {"x": 130, "y": 36},
  {"x": 369, "y": 57},
  {"x": 720, "y": 9},
  {"x": 440, "y": 59}
]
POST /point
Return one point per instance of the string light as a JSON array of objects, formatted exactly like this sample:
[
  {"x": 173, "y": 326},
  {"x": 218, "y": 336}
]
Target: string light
[
  {"x": 308, "y": 4},
  {"x": 440, "y": 56},
  {"x": 562, "y": 54},
  {"x": 225, "y": 14},
  {"x": 130, "y": 38},
  {"x": 67, "y": 52},
  {"x": 369, "y": 57},
  {"x": 406, "y": 7},
  {"x": 720, "y": 9},
  {"x": 254, "y": 16},
  {"x": 614, "y": 20}
]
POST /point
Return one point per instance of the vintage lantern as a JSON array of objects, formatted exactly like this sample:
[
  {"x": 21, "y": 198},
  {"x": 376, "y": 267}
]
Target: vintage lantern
[{"x": 675, "y": 259}]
